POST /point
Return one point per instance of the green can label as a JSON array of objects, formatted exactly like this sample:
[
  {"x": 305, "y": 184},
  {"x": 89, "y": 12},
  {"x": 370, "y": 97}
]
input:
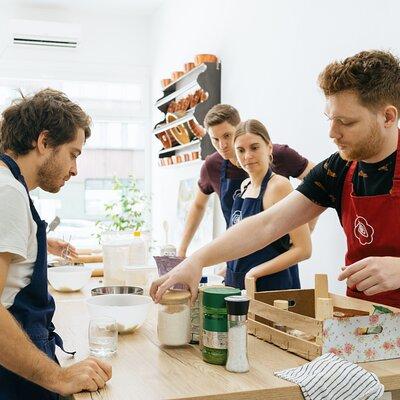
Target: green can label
[{"x": 215, "y": 340}]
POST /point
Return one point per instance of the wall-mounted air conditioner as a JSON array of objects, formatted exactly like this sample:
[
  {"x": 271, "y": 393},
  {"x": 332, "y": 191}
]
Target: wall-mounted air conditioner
[{"x": 44, "y": 33}]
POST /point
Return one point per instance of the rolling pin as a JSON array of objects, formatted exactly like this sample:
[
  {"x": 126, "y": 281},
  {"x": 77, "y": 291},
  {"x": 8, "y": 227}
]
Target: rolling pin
[{"x": 90, "y": 258}]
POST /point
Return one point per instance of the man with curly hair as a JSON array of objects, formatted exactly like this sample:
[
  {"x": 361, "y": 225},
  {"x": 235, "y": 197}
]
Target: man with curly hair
[
  {"x": 361, "y": 181},
  {"x": 40, "y": 139}
]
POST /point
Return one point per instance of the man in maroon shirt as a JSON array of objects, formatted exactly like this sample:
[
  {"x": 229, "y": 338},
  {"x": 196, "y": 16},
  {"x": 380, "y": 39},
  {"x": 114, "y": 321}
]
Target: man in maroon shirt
[{"x": 221, "y": 174}]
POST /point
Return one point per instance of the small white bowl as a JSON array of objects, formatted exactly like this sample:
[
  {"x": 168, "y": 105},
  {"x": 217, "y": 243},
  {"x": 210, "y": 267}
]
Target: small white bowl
[
  {"x": 129, "y": 310},
  {"x": 68, "y": 279}
]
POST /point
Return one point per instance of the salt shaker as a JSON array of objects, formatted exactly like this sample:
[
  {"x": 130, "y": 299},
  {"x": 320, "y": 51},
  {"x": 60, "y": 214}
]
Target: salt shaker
[{"x": 237, "y": 307}]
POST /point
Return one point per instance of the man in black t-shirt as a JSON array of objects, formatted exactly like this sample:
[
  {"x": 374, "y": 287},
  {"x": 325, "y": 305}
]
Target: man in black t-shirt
[{"x": 361, "y": 181}]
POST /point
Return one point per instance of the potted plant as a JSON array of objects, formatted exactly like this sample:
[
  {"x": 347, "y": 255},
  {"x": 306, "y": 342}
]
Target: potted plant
[{"x": 127, "y": 212}]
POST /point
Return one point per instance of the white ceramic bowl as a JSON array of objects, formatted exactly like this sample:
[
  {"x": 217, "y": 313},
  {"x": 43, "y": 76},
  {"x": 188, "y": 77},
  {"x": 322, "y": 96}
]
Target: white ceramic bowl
[
  {"x": 129, "y": 310},
  {"x": 68, "y": 279}
]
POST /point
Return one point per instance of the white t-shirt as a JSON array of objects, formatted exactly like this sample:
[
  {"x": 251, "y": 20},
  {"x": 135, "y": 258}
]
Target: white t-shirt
[{"x": 17, "y": 235}]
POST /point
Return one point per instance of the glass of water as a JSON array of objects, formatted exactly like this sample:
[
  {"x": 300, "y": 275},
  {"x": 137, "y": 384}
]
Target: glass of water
[{"x": 103, "y": 336}]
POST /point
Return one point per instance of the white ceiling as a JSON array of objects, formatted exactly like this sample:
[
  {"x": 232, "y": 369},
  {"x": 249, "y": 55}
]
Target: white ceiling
[{"x": 142, "y": 7}]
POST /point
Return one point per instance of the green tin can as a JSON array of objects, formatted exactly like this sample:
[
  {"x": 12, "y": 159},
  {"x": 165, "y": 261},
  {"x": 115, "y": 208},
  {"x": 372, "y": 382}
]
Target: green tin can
[{"x": 215, "y": 323}]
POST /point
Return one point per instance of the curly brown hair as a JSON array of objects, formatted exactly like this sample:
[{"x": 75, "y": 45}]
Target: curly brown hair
[
  {"x": 47, "y": 110},
  {"x": 374, "y": 75},
  {"x": 221, "y": 113}
]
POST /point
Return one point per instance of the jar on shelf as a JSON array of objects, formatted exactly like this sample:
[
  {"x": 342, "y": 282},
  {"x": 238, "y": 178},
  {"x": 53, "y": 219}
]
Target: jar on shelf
[
  {"x": 215, "y": 324},
  {"x": 173, "y": 325}
]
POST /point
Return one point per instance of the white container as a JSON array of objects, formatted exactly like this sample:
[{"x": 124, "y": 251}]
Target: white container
[
  {"x": 129, "y": 310},
  {"x": 116, "y": 254},
  {"x": 173, "y": 325},
  {"x": 68, "y": 279},
  {"x": 138, "y": 250},
  {"x": 140, "y": 275}
]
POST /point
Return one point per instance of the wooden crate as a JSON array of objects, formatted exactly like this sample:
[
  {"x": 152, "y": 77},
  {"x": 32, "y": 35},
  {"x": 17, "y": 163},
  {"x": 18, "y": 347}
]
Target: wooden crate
[{"x": 343, "y": 336}]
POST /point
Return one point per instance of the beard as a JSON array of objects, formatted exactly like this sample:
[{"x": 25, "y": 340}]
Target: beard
[
  {"x": 50, "y": 174},
  {"x": 369, "y": 147}
]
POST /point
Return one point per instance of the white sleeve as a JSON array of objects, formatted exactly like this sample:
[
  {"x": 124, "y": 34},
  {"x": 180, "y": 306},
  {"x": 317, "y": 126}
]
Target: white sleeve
[{"x": 14, "y": 223}]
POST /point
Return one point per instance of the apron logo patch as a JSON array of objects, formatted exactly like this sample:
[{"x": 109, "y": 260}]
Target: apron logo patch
[
  {"x": 236, "y": 217},
  {"x": 363, "y": 231},
  {"x": 237, "y": 193}
]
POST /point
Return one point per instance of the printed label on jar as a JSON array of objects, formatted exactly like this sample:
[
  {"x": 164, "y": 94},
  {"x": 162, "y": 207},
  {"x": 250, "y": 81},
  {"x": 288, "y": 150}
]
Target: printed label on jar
[{"x": 215, "y": 340}]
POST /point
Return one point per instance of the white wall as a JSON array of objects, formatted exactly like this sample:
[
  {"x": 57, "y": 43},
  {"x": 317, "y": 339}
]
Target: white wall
[
  {"x": 271, "y": 53},
  {"x": 113, "y": 47}
]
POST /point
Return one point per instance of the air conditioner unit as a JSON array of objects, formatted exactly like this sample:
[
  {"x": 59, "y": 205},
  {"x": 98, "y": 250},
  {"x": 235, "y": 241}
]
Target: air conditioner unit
[{"x": 44, "y": 33}]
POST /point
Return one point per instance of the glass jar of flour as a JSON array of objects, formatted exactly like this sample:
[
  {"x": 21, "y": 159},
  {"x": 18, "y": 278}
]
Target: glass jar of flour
[{"x": 173, "y": 326}]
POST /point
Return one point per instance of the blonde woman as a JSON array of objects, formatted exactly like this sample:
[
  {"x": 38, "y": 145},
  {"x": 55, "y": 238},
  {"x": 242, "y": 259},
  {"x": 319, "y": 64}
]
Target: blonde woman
[{"x": 275, "y": 266}]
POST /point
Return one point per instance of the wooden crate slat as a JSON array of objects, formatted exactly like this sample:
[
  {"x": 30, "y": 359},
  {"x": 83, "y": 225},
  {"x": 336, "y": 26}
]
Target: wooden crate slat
[
  {"x": 304, "y": 299},
  {"x": 357, "y": 304},
  {"x": 286, "y": 318},
  {"x": 303, "y": 348}
]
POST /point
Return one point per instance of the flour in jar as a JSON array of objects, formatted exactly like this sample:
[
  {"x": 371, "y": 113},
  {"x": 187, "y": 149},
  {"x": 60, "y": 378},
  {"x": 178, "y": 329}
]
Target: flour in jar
[{"x": 174, "y": 324}]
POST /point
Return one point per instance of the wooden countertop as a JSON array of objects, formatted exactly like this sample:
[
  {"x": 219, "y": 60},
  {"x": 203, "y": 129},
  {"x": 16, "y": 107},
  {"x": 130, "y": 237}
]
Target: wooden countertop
[{"x": 144, "y": 370}]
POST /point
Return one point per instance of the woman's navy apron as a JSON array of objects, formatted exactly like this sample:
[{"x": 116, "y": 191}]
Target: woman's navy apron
[
  {"x": 237, "y": 269},
  {"x": 229, "y": 189},
  {"x": 33, "y": 308}
]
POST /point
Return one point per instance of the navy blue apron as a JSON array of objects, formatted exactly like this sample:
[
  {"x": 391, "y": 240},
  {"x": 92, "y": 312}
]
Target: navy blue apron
[
  {"x": 33, "y": 308},
  {"x": 237, "y": 269},
  {"x": 229, "y": 189}
]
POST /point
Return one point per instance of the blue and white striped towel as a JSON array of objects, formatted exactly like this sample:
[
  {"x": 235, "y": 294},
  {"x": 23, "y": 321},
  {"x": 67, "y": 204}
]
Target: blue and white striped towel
[{"x": 330, "y": 377}]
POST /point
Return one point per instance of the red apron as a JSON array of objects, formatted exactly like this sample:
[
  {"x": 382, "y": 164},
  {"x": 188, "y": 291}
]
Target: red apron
[{"x": 372, "y": 228}]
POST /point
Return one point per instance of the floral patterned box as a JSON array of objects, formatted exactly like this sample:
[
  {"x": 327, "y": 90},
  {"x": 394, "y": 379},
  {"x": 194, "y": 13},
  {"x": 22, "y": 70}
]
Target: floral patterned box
[
  {"x": 346, "y": 337},
  {"x": 354, "y": 336}
]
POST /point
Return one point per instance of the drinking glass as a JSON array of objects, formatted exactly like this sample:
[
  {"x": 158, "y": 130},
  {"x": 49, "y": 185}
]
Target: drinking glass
[{"x": 103, "y": 336}]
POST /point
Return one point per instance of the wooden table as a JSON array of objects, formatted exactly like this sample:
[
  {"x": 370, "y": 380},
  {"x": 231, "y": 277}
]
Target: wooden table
[{"x": 144, "y": 370}]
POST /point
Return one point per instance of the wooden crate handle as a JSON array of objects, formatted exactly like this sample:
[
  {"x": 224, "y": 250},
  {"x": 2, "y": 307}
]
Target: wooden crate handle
[
  {"x": 250, "y": 286},
  {"x": 323, "y": 311},
  {"x": 321, "y": 289},
  {"x": 321, "y": 286}
]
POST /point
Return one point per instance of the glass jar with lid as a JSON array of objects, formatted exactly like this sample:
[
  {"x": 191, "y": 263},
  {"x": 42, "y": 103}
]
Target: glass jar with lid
[{"x": 173, "y": 326}]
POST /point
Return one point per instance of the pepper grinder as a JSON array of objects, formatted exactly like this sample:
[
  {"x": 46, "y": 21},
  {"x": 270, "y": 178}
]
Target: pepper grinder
[{"x": 237, "y": 308}]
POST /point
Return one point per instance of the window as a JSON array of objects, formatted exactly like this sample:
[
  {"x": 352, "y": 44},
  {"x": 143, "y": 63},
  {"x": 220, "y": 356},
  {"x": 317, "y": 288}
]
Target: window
[
  {"x": 98, "y": 192},
  {"x": 117, "y": 135},
  {"x": 119, "y": 125}
]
